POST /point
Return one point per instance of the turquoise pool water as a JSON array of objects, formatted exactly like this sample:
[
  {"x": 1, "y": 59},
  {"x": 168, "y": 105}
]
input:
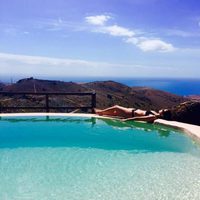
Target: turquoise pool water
[{"x": 93, "y": 159}]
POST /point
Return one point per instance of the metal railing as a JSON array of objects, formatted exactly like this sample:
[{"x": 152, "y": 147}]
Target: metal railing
[{"x": 47, "y": 106}]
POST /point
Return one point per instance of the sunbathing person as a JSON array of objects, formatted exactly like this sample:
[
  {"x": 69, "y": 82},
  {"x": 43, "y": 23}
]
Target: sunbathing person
[{"x": 131, "y": 113}]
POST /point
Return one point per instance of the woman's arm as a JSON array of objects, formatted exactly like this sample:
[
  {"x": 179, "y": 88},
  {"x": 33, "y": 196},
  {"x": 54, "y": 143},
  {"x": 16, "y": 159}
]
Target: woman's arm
[
  {"x": 155, "y": 113},
  {"x": 149, "y": 118}
]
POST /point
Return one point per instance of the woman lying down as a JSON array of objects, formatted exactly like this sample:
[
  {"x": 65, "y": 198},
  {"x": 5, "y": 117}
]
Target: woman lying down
[{"x": 134, "y": 114}]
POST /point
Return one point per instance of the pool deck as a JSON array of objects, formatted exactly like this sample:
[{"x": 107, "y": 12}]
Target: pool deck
[{"x": 191, "y": 130}]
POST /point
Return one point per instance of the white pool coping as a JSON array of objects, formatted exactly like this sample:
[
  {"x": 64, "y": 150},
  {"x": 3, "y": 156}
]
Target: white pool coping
[
  {"x": 52, "y": 114},
  {"x": 191, "y": 130}
]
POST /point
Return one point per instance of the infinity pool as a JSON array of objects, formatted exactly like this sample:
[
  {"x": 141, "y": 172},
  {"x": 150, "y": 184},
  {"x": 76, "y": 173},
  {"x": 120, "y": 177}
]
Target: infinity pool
[{"x": 76, "y": 158}]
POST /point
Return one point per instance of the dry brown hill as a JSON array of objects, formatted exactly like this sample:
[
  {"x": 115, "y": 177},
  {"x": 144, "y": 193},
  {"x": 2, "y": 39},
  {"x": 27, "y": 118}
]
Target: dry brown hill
[
  {"x": 37, "y": 85},
  {"x": 109, "y": 93},
  {"x": 194, "y": 97},
  {"x": 156, "y": 98},
  {"x": 1, "y": 86}
]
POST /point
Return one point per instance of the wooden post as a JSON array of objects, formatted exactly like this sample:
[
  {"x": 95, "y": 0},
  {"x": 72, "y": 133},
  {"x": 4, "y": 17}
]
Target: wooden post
[
  {"x": 47, "y": 103},
  {"x": 93, "y": 101}
]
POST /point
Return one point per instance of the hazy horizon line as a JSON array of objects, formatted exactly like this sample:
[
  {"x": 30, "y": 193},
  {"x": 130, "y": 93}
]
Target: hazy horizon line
[{"x": 93, "y": 78}]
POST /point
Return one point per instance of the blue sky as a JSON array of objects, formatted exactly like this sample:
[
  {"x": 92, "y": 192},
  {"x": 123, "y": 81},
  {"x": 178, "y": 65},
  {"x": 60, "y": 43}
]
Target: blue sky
[{"x": 101, "y": 38}]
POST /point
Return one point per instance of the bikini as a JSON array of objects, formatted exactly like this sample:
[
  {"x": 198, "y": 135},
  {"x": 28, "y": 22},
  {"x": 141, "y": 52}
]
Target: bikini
[
  {"x": 133, "y": 112},
  {"x": 149, "y": 112}
]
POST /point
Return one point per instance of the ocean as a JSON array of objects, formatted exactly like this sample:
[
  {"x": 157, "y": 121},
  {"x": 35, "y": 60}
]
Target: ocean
[
  {"x": 181, "y": 87},
  {"x": 177, "y": 86}
]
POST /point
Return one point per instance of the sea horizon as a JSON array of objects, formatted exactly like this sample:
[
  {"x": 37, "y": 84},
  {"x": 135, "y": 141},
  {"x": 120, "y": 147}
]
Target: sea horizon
[{"x": 179, "y": 86}]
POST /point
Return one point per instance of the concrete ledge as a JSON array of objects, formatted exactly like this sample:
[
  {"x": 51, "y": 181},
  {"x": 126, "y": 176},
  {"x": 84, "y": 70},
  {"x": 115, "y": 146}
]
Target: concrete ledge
[
  {"x": 191, "y": 130},
  {"x": 53, "y": 114}
]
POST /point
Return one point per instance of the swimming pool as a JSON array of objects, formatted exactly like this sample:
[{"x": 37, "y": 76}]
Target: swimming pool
[{"x": 80, "y": 158}]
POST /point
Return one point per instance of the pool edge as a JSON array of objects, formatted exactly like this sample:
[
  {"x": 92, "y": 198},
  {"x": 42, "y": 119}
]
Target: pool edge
[
  {"x": 53, "y": 114},
  {"x": 191, "y": 130}
]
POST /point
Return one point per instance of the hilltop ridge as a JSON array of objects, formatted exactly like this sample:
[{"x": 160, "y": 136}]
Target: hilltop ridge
[
  {"x": 109, "y": 92},
  {"x": 38, "y": 85},
  {"x": 1, "y": 86}
]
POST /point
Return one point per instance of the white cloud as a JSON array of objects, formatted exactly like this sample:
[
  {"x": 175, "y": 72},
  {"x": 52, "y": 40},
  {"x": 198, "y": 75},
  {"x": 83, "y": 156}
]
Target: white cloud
[
  {"x": 39, "y": 60},
  {"x": 155, "y": 45},
  {"x": 97, "y": 19},
  {"x": 116, "y": 30},
  {"x": 140, "y": 40},
  {"x": 57, "y": 25},
  {"x": 132, "y": 40},
  {"x": 23, "y": 65},
  {"x": 54, "y": 25},
  {"x": 180, "y": 33},
  {"x": 12, "y": 65},
  {"x": 146, "y": 44},
  {"x": 26, "y": 32}
]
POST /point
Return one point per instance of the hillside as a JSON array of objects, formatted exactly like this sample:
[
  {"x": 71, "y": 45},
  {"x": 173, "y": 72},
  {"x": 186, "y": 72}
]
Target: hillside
[
  {"x": 156, "y": 98},
  {"x": 194, "y": 97},
  {"x": 187, "y": 112},
  {"x": 109, "y": 93},
  {"x": 1, "y": 86},
  {"x": 37, "y": 85}
]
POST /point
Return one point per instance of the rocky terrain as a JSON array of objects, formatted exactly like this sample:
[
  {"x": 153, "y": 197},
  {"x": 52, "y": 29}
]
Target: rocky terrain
[
  {"x": 1, "y": 86},
  {"x": 187, "y": 112},
  {"x": 108, "y": 93},
  {"x": 36, "y": 85},
  {"x": 194, "y": 97}
]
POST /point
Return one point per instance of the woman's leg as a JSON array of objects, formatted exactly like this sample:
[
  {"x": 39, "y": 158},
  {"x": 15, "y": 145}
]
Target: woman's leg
[{"x": 116, "y": 111}]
